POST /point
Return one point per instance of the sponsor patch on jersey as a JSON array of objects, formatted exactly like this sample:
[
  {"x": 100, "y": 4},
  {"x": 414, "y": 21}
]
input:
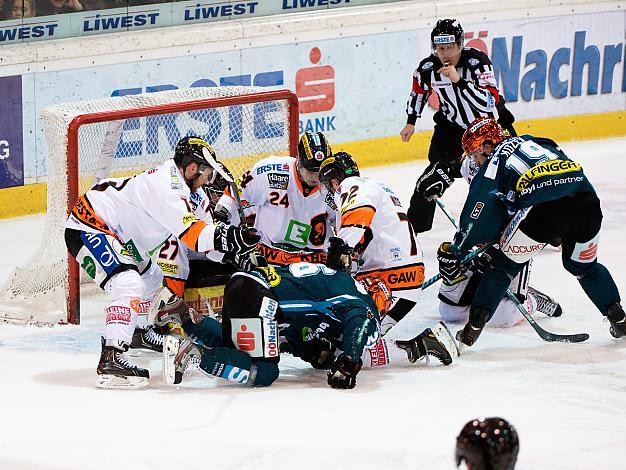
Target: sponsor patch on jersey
[
  {"x": 427, "y": 66},
  {"x": 271, "y": 275},
  {"x": 272, "y": 167},
  {"x": 444, "y": 39},
  {"x": 476, "y": 210},
  {"x": 168, "y": 268},
  {"x": 551, "y": 167},
  {"x": 246, "y": 335},
  {"x": 188, "y": 219},
  {"x": 586, "y": 252},
  {"x": 278, "y": 181},
  {"x": 473, "y": 62},
  {"x": 395, "y": 254},
  {"x": 175, "y": 179}
]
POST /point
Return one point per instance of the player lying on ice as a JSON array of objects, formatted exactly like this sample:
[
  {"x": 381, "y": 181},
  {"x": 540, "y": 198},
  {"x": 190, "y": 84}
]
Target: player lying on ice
[
  {"x": 527, "y": 194},
  {"x": 322, "y": 316}
]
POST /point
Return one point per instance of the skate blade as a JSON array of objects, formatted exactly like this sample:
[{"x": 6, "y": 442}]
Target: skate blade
[
  {"x": 170, "y": 350},
  {"x": 113, "y": 382},
  {"x": 442, "y": 333},
  {"x": 159, "y": 301}
]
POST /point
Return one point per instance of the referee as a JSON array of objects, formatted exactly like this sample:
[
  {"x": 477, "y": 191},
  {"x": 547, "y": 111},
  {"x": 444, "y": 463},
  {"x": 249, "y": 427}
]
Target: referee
[{"x": 464, "y": 81}]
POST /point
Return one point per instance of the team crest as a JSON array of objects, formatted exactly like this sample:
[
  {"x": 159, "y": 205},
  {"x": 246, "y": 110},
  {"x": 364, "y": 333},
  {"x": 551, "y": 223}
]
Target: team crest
[{"x": 319, "y": 156}]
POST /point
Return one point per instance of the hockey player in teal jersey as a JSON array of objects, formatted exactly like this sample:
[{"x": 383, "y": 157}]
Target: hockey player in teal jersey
[
  {"x": 322, "y": 316},
  {"x": 527, "y": 194}
]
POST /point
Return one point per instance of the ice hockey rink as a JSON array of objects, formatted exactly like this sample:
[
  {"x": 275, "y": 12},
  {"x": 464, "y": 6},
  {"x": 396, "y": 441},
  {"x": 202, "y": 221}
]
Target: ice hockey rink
[{"x": 567, "y": 401}]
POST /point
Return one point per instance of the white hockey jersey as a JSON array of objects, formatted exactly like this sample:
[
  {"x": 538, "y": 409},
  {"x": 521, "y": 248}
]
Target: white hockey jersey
[
  {"x": 373, "y": 222},
  {"x": 143, "y": 211},
  {"x": 294, "y": 222}
]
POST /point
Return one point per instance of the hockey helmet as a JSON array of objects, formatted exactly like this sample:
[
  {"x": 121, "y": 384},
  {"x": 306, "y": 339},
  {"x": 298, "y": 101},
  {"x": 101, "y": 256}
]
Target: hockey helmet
[
  {"x": 340, "y": 166},
  {"x": 488, "y": 444},
  {"x": 378, "y": 290},
  {"x": 482, "y": 130},
  {"x": 447, "y": 31},
  {"x": 193, "y": 149},
  {"x": 313, "y": 149}
]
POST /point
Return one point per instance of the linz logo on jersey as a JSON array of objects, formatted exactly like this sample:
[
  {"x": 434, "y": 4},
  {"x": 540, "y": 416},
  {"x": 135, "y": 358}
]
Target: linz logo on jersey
[
  {"x": 277, "y": 181},
  {"x": 272, "y": 167},
  {"x": 477, "y": 209}
]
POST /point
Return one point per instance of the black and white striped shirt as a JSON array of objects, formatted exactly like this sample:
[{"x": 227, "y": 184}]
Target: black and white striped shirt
[{"x": 473, "y": 96}]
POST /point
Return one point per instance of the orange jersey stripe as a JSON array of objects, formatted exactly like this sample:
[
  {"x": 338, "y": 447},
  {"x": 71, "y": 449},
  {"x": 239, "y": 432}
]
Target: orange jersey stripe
[
  {"x": 177, "y": 286},
  {"x": 400, "y": 278},
  {"x": 284, "y": 258},
  {"x": 359, "y": 216},
  {"x": 84, "y": 212},
  {"x": 191, "y": 235}
]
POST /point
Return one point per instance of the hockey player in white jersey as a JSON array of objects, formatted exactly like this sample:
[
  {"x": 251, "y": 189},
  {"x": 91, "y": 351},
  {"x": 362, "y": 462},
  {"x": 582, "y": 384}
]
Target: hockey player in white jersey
[
  {"x": 281, "y": 198},
  {"x": 373, "y": 230},
  {"x": 117, "y": 226}
]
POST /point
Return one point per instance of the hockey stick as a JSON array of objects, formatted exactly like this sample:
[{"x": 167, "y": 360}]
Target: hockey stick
[{"x": 543, "y": 334}]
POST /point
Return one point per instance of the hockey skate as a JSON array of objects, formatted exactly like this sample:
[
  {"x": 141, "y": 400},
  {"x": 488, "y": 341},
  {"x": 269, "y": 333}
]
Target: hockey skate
[
  {"x": 617, "y": 319},
  {"x": 544, "y": 303},
  {"x": 180, "y": 357},
  {"x": 437, "y": 342},
  {"x": 147, "y": 339},
  {"x": 114, "y": 370}
]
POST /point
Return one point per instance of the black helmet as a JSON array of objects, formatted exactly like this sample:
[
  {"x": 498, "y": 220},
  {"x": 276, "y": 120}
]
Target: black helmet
[
  {"x": 488, "y": 444},
  {"x": 447, "y": 31},
  {"x": 339, "y": 166},
  {"x": 193, "y": 149},
  {"x": 313, "y": 148}
]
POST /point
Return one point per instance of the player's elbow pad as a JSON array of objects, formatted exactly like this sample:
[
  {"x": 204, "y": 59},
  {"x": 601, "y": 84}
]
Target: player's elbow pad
[{"x": 266, "y": 373}]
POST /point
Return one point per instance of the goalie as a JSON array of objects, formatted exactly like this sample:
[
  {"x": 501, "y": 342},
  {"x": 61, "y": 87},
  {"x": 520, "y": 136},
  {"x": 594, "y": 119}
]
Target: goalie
[
  {"x": 118, "y": 223},
  {"x": 309, "y": 310}
]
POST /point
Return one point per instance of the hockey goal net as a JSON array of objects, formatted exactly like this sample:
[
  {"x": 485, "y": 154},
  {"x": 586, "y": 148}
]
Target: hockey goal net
[{"x": 120, "y": 136}]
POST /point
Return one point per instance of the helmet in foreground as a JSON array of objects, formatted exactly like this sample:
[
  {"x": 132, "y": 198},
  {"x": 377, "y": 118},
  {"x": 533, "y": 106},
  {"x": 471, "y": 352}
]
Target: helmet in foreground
[
  {"x": 480, "y": 131},
  {"x": 193, "y": 149},
  {"x": 340, "y": 166},
  {"x": 313, "y": 149},
  {"x": 487, "y": 444},
  {"x": 378, "y": 290},
  {"x": 447, "y": 31}
]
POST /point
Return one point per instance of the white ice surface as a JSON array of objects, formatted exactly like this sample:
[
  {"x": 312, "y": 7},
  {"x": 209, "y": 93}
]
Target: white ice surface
[{"x": 568, "y": 401}]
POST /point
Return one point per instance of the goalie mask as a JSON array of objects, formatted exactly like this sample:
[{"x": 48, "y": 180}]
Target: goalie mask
[
  {"x": 482, "y": 130},
  {"x": 313, "y": 149},
  {"x": 447, "y": 31},
  {"x": 378, "y": 290},
  {"x": 340, "y": 166},
  {"x": 487, "y": 444}
]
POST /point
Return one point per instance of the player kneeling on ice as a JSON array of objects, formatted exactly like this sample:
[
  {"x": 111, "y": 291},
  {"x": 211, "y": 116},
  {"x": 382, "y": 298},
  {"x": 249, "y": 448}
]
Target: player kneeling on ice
[
  {"x": 313, "y": 312},
  {"x": 374, "y": 236},
  {"x": 528, "y": 193},
  {"x": 117, "y": 224}
]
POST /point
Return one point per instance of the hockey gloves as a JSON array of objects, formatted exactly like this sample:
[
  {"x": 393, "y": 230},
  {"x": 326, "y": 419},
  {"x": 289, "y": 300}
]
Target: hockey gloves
[
  {"x": 435, "y": 180},
  {"x": 235, "y": 240},
  {"x": 339, "y": 255},
  {"x": 449, "y": 265},
  {"x": 343, "y": 371}
]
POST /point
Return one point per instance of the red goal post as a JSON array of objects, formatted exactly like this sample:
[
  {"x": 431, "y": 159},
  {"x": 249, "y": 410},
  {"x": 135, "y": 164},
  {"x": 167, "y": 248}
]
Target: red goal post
[{"x": 120, "y": 136}]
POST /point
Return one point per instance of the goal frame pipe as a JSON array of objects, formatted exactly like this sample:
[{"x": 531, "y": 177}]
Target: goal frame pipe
[{"x": 73, "y": 291}]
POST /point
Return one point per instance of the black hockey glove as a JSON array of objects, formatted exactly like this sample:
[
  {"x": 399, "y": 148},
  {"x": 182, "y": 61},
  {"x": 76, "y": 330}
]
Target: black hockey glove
[
  {"x": 235, "y": 240},
  {"x": 339, "y": 255},
  {"x": 221, "y": 214},
  {"x": 343, "y": 371},
  {"x": 320, "y": 354},
  {"x": 449, "y": 265},
  {"x": 483, "y": 261},
  {"x": 435, "y": 180}
]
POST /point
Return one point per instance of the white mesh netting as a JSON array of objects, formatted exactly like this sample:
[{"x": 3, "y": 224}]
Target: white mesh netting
[{"x": 240, "y": 133}]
